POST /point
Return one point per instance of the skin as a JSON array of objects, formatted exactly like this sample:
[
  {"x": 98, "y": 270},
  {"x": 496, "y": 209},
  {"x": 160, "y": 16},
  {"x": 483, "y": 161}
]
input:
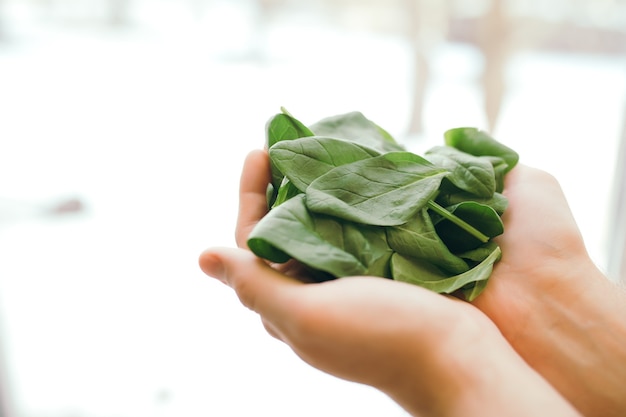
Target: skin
[
  {"x": 551, "y": 302},
  {"x": 439, "y": 356}
]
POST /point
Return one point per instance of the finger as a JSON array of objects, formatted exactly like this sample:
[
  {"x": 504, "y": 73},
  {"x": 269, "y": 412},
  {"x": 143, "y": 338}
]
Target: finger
[
  {"x": 253, "y": 183},
  {"x": 258, "y": 286},
  {"x": 537, "y": 191}
]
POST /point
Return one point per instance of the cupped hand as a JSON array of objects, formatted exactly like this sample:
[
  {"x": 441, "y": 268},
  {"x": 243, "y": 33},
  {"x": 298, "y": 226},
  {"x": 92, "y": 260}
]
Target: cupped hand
[
  {"x": 434, "y": 354},
  {"x": 543, "y": 252},
  {"x": 552, "y": 303}
]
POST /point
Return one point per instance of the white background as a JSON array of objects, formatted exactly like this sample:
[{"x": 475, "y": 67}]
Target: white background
[{"x": 105, "y": 312}]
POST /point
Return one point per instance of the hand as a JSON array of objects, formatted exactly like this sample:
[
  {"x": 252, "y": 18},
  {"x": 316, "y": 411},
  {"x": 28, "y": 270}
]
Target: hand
[
  {"x": 551, "y": 302},
  {"x": 433, "y": 354}
]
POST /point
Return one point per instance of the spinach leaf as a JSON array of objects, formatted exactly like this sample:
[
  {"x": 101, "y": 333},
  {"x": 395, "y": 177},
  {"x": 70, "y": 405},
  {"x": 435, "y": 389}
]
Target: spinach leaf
[
  {"x": 286, "y": 191},
  {"x": 282, "y": 127},
  {"x": 285, "y": 127},
  {"x": 420, "y": 273},
  {"x": 469, "y": 173},
  {"x": 479, "y": 254},
  {"x": 500, "y": 168},
  {"x": 478, "y": 143},
  {"x": 482, "y": 217},
  {"x": 354, "y": 126},
  {"x": 471, "y": 292},
  {"x": 449, "y": 196},
  {"x": 418, "y": 239},
  {"x": 347, "y": 199},
  {"x": 366, "y": 243},
  {"x": 304, "y": 160},
  {"x": 289, "y": 231},
  {"x": 386, "y": 190}
]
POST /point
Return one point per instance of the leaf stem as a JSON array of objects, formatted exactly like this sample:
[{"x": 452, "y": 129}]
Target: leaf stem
[{"x": 458, "y": 221}]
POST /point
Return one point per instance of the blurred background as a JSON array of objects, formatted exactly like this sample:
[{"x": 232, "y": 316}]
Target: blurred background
[{"x": 123, "y": 127}]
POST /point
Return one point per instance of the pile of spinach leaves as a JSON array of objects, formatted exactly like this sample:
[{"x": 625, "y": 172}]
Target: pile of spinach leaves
[{"x": 346, "y": 199}]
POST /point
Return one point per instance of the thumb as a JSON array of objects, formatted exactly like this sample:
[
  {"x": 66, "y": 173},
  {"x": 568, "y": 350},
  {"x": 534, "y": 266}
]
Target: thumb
[
  {"x": 212, "y": 261},
  {"x": 258, "y": 286}
]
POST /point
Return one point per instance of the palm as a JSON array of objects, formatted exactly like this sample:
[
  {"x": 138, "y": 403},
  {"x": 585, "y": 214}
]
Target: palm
[{"x": 540, "y": 237}]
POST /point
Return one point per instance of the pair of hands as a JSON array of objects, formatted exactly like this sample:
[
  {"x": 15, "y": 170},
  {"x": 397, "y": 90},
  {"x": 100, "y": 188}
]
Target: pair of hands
[{"x": 410, "y": 342}]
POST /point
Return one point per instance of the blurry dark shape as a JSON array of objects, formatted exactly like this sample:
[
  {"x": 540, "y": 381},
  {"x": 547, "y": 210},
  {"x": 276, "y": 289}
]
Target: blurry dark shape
[
  {"x": 72, "y": 205},
  {"x": 12, "y": 210}
]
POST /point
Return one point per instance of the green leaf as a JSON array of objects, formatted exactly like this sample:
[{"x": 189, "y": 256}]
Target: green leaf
[
  {"x": 386, "y": 190},
  {"x": 479, "y": 254},
  {"x": 270, "y": 195},
  {"x": 425, "y": 275},
  {"x": 304, "y": 160},
  {"x": 282, "y": 127},
  {"x": 449, "y": 196},
  {"x": 289, "y": 231},
  {"x": 472, "y": 291},
  {"x": 346, "y": 199},
  {"x": 441, "y": 212},
  {"x": 285, "y": 127},
  {"x": 356, "y": 127},
  {"x": 286, "y": 191},
  {"x": 482, "y": 217},
  {"x": 469, "y": 173},
  {"x": 500, "y": 168},
  {"x": 419, "y": 272},
  {"x": 366, "y": 243},
  {"x": 417, "y": 238},
  {"x": 479, "y": 143}
]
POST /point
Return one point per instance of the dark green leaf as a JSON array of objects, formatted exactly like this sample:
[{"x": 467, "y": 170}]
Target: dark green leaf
[
  {"x": 304, "y": 160},
  {"x": 479, "y": 254},
  {"x": 500, "y": 168},
  {"x": 449, "y": 196},
  {"x": 286, "y": 191},
  {"x": 418, "y": 239},
  {"x": 350, "y": 201},
  {"x": 289, "y": 231},
  {"x": 482, "y": 217},
  {"x": 469, "y": 173},
  {"x": 425, "y": 275},
  {"x": 417, "y": 271},
  {"x": 386, "y": 190},
  {"x": 285, "y": 127},
  {"x": 279, "y": 128},
  {"x": 366, "y": 243}
]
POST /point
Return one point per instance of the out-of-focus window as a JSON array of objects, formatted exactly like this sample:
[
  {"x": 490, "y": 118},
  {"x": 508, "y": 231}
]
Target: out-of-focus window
[{"x": 142, "y": 111}]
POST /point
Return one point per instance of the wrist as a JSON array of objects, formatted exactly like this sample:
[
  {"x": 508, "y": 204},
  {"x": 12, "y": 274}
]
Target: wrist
[
  {"x": 575, "y": 336},
  {"x": 496, "y": 381},
  {"x": 499, "y": 382},
  {"x": 475, "y": 372}
]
